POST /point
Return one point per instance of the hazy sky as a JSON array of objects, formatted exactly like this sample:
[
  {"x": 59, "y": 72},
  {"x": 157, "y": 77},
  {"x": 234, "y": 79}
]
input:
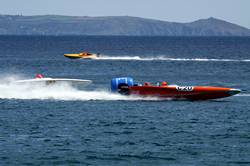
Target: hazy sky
[{"x": 235, "y": 11}]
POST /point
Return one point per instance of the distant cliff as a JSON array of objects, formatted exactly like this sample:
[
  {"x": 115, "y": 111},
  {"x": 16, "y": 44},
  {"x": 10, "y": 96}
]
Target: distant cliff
[{"x": 115, "y": 25}]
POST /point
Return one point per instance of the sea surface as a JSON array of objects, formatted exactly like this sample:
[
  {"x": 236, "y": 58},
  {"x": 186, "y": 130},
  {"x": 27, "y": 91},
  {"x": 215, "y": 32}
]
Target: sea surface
[{"x": 64, "y": 125}]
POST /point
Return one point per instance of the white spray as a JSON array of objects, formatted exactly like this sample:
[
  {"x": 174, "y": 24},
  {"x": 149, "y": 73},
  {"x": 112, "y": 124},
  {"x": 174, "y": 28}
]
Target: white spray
[{"x": 8, "y": 90}]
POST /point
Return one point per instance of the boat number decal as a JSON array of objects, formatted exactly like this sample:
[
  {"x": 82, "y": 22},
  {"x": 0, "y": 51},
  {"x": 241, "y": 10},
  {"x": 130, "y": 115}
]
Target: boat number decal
[{"x": 184, "y": 88}]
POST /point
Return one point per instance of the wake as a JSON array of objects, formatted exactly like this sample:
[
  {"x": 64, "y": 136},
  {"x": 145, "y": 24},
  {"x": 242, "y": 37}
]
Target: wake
[
  {"x": 243, "y": 95},
  {"x": 162, "y": 58},
  {"x": 58, "y": 92}
]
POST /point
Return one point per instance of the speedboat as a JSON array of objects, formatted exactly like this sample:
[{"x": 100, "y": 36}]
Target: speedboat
[
  {"x": 40, "y": 80},
  {"x": 126, "y": 86},
  {"x": 83, "y": 55}
]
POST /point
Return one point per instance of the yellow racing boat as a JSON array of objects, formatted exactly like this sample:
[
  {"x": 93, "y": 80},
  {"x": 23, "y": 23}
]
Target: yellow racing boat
[{"x": 83, "y": 55}]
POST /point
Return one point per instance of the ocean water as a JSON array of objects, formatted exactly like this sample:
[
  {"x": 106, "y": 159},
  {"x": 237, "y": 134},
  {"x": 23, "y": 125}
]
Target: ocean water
[{"x": 62, "y": 125}]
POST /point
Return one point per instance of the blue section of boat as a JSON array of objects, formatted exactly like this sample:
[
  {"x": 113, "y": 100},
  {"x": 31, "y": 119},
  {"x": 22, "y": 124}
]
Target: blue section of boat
[{"x": 122, "y": 80}]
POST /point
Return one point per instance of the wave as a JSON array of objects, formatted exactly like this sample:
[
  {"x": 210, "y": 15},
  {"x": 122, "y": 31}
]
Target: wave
[
  {"x": 58, "y": 92},
  {"x": 243, "y": 94},
  {"x": 162, "y": 58}
]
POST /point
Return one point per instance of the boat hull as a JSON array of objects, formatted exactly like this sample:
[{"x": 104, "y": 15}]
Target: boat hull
[
  {"x": 187, "y": 92},
  {"x": 79, "y": 56},
  {"x": 52, "y": 81}
]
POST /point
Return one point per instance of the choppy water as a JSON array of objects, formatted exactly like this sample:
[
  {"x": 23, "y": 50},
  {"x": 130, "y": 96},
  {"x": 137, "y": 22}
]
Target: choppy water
[{"x": 61, "y": 125}]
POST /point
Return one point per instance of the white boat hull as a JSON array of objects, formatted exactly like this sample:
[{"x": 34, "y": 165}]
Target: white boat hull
[{"x": 53, "y": 81}]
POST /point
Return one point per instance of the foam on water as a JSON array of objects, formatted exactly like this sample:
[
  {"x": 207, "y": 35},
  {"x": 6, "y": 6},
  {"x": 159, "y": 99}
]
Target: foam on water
[
  {"x": 57, "y": 92},
  {"x": 163, "y": 58},
  {"x": 243, "y": 94}
]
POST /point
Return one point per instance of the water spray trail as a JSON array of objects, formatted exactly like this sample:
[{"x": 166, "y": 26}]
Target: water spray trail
[
  {"x": 10, "y": 90},
  {"x": 162, "y": 58},
  {"x": 243, "y": 95}
]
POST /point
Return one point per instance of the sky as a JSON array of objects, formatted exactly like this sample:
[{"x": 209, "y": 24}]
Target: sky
[{"x": 235, "y": 11}]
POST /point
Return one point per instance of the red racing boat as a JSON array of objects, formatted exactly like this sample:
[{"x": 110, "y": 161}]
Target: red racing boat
[{"x": 125, "y": 85}]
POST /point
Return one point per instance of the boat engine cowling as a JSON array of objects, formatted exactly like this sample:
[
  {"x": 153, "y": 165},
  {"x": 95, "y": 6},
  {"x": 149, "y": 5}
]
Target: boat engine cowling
[{"x": 121, "y": 84}]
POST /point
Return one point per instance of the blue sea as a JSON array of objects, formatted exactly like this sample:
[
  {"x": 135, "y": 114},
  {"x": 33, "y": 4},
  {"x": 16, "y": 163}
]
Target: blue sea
[{"x": 89, "y": 125}]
